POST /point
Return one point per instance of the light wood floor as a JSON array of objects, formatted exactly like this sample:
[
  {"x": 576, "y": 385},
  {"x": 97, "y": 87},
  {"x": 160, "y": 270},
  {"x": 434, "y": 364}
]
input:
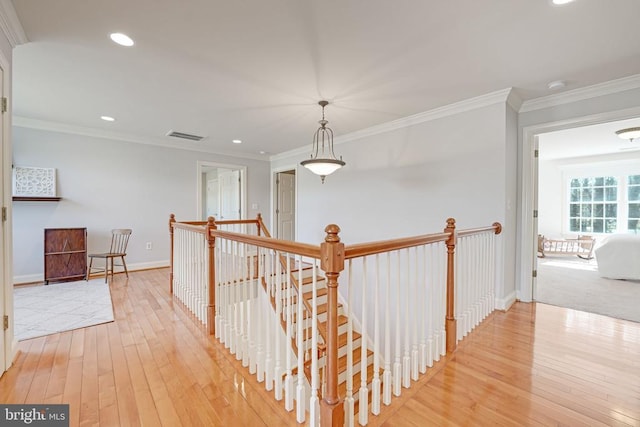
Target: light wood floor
[{"x": 534, "y": 365}]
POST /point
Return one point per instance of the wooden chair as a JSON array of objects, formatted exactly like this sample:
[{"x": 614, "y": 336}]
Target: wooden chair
[{"x": 118, "y": 249}]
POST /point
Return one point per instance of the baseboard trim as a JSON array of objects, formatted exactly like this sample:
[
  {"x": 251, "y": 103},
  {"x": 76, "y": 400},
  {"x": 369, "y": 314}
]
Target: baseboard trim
[
  {"x": 505, "y": 303},
  {"x": 35, "y": 278}
]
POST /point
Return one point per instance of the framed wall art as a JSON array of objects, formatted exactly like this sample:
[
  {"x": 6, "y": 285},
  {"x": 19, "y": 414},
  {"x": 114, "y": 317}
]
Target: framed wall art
[{"x": 34, "y": 182}]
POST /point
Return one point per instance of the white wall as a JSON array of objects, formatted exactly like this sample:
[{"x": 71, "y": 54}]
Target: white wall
[
  {"x": 408, "y": 181},
  {"x": 109, "y": 184}
]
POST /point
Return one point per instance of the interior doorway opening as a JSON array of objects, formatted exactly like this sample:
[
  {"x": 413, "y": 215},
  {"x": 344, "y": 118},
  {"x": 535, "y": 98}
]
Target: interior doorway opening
[{"x": 221, "y": 191}]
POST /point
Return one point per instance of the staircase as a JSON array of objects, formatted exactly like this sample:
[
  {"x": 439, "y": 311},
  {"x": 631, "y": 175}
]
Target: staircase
[{"x": 305, "y": 288}]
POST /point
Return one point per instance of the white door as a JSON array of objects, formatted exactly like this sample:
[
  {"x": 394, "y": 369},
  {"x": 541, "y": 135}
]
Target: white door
[
  {"x": 6, "y": 287},
  {"x": 213, "y": 199},
  {"x": 229, "y": 194},
  {"x": 286, "y": 205}
]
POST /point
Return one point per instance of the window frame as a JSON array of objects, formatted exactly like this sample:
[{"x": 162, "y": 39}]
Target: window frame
[{"x": 622, "y": 198}]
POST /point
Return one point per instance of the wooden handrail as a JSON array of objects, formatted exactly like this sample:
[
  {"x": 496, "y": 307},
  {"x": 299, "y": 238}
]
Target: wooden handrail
[
  {"x": 202, "y": 229},
  {"x": 312, "y": 251},
  {"x": 496, "y": 227},
  {"x": 381, "y": 246}
]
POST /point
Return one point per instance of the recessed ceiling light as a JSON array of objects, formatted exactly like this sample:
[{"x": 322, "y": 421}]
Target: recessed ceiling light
[
  {"x": 122, "y": 39},
  {"x": 558, "y": 84},
  {"x": 559, "y": 2},
  {"x": 263, "y": 152},
  {"x": 237, "y": 141},
  {"x": 108, "y": 118}
]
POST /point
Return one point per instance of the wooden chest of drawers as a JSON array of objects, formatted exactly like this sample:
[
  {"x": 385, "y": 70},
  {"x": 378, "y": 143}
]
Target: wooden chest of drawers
[{"x": 65, "y": 254}]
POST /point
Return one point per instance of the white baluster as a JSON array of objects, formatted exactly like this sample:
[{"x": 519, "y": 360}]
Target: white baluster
[
  {"x": 349, "y": 401},
  {"x": 406, "y": 360},
  {"x": 397, "y": 365},
  {"x": 386, "y": 377},
  {"x": 416, "y": 318},
  {"x": 262, "y": 295},
  {"x": 300, "y": 398},
  {"x": 375, "y": 384},
  {"x": 277, "y": 331},
  {"x": 314, "y": 402},
  {"x": 363, "y": 397},
  {"x": 288, "y": 383},
  {"x": 268, "y": 364}
]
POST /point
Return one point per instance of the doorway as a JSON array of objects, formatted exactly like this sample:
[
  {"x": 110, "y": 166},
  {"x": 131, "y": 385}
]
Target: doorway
[
  {"x": 528, "y": 230},
  {"x": 285, "y": 205},
  {"x": 221, "y": 191}
]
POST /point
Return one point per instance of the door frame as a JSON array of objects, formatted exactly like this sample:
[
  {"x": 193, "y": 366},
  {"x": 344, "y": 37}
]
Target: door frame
[
  {"x": 9, "y": 344},
  {"x": 274, "y": 197},
  {"x": 204, "y": 164},
  {"x": 527, "y": 230}
]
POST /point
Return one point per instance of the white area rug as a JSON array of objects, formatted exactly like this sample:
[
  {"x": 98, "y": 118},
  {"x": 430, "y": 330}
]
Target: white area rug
[
  {"x": 572, "y": 282},
  {"x": 58, "y": 307}
]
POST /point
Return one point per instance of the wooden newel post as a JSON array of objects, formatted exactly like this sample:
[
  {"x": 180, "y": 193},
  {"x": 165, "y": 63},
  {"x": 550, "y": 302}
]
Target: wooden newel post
[
  {"x": 332, "y": 263},
  {"x": 259, "y": 220},
  {"x": 498, "y": 227},
  {"x": 172, "y": 219},
  {"x": 450, "y": 325},
  {"x": 211, "y": 305}
]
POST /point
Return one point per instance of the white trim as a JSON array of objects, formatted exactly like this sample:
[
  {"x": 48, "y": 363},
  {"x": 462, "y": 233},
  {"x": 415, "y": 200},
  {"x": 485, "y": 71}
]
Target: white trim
[
  {"x": 514, "y": 100},
  {"x": 26, "y": 122},
  {"x": 437, "y": 113},
  {"x": 33, "y": 278},
  {"x": 600, "y": 89},
  {"x": 505, "y": 303},
  {"x": 10, "y": 24},
  {"x": 528, "y": 187}
]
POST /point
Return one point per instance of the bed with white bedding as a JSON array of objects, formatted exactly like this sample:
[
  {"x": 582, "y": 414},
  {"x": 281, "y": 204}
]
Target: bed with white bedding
[{"x": 618, "y": 257}]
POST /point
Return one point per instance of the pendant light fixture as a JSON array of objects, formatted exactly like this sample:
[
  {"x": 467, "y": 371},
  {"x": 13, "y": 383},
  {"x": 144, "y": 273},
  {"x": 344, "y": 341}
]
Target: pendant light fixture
[
  {"x": 323, "y": 161},
  {"x": 629, "y": 133}
]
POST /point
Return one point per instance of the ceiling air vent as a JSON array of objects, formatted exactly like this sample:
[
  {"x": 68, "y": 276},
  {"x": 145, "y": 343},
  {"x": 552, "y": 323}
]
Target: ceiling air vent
[{"x": 185, "y": 136}]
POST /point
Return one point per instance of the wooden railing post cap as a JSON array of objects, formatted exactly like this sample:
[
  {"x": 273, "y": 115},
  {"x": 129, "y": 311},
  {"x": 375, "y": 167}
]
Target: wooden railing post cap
[
  {"x": 332, "y": 231},
  {"x": 259, "y": 216},
  {"x": 332, "y": 260},
  {"x": 211, "y": 222},
  {"x": 451, "y": 223},
  {"x": 172, "y": 217},
  {"x": 498, "y": 227}
]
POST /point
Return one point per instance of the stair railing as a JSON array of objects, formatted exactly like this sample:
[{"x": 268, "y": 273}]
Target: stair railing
[{"x": 268, "y": 303}]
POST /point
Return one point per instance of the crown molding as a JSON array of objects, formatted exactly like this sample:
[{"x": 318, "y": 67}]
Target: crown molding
[
  {"x": 10, "y": 24},
  {"x": 481, "y": 101},
  {"x": 600, "y": 89},
  {"x": 514, "y": 100},
  {"x": 25, "y": 122}
]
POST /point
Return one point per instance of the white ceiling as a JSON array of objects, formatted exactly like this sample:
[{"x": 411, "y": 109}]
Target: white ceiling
[{"x": 254, "y": 70}]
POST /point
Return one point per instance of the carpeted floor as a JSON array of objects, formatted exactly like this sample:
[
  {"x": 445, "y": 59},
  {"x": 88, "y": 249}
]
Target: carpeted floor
[
  {"x": 571, "y": 282},
  {"x": 43, "y": 310}
]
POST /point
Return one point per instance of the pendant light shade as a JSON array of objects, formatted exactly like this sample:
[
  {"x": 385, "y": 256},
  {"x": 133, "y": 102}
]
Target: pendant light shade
[{"x": 323, "y": 161}]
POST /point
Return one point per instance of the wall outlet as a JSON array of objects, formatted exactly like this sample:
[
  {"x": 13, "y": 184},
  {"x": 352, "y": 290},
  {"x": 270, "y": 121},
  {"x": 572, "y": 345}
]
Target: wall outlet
[
  {"x": 254, "y": 206},
  {"x": 148, "y": 246}
]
